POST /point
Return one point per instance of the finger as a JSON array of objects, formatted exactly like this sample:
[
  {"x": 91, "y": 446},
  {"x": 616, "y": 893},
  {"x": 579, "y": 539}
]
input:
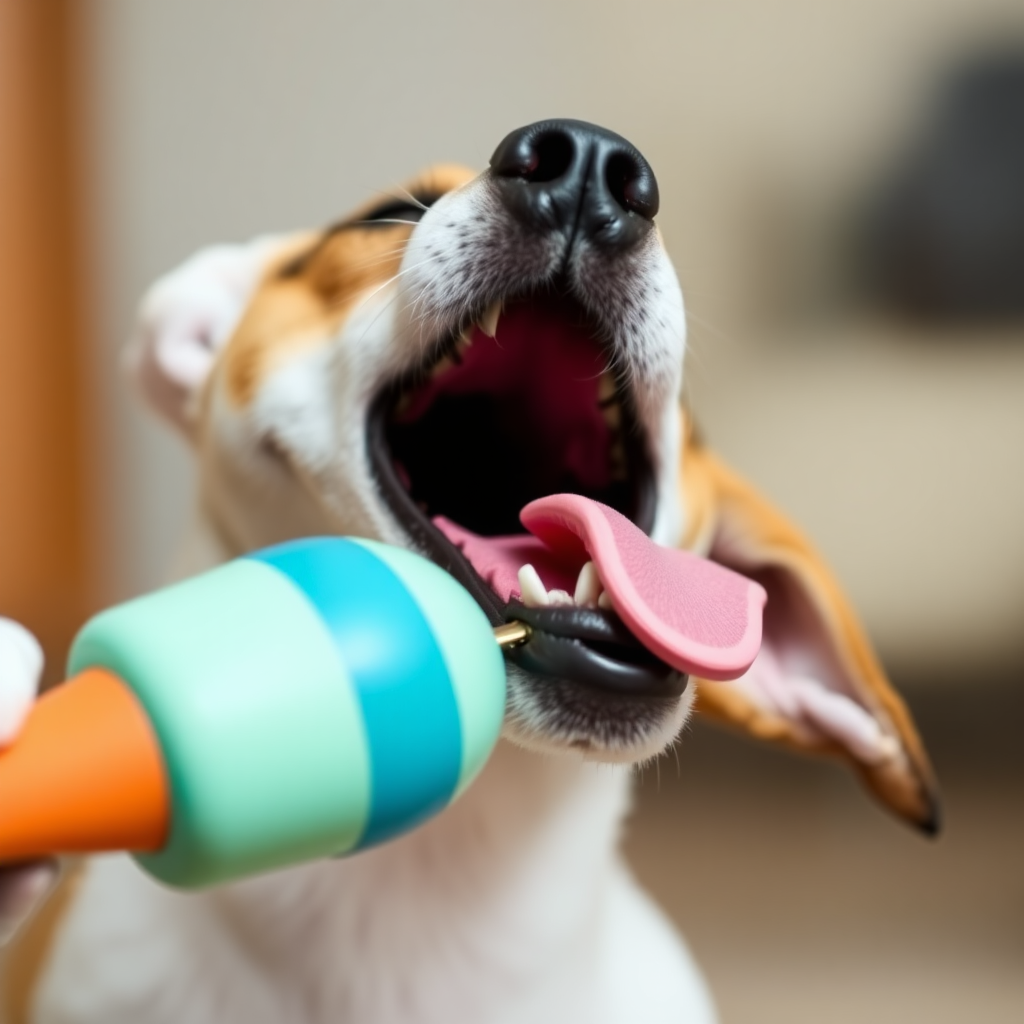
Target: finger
[{"x": 21, "y": 665}]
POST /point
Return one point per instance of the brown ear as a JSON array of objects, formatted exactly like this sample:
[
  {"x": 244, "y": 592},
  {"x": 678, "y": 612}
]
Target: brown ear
[{"x": 816, "y": 685}]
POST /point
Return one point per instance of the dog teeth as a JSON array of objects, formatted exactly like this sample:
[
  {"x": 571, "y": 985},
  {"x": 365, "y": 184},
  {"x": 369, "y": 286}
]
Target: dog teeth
[
  {"x": 608, "y": 401},
  {"x": 465, "y": 340},
  {"x": 611, "y": 409},
  {"x": 531, "y": 589},
  {"x": 442, "y": 367},
  {"x": 489, "y": 321},
  {"x": 533, "y": 594},
  {"x": 588, "y": 586},
  {"x": 604, "y": 601},
  {"x": 589, "y": 593},
  {"x": 617, "y": 460}
]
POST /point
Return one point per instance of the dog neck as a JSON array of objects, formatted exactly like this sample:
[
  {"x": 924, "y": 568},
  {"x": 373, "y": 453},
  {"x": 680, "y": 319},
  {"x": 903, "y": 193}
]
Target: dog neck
[
  {"x": 507, "y": 878},
  {"x": 505, "y": 881}
]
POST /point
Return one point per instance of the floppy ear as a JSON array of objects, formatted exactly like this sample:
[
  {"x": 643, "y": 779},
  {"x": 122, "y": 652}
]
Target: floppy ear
[
  {"x": 816, "y": 684},
  {"x": 187, "y": 317}
]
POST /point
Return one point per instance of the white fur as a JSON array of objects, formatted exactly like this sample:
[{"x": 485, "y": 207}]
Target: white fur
[
  {"x": 187, "y": 316},
  {"x": 511, "y": 906}
]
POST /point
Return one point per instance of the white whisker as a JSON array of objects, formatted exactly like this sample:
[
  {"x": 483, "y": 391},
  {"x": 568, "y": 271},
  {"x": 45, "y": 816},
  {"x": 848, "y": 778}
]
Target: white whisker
[
  {"x": 393, "y": 194},
  {"x": 422, "y": 206},
  {"x": 390, "y": 281}
]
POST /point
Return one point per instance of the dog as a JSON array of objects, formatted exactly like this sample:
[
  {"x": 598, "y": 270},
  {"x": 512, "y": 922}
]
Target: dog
[{"x": 416, "y": 373}]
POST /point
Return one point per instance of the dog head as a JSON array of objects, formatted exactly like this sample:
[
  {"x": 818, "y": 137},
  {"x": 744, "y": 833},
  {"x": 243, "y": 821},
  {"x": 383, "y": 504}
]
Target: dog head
[{"x": 422, "y": 370}]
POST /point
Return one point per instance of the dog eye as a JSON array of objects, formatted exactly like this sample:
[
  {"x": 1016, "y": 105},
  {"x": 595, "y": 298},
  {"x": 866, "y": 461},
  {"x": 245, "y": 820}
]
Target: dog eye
[{"x": 405, "y": 211}]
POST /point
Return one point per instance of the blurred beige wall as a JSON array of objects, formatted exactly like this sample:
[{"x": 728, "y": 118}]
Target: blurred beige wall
[{"x": 219, "y": 119}]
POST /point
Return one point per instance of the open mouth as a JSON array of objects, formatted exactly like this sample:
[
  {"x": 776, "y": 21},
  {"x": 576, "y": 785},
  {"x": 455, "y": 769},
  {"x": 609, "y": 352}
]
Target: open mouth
[{"x": 523, "y": 404}]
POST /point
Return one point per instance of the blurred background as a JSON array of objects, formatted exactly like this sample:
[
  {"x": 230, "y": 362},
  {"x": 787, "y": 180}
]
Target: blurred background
[{"x": 843, "y": 196}]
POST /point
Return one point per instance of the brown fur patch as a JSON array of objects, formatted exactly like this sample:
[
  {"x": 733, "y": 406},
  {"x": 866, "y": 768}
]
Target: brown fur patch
[
  {"x": 724, "y": 502},
  {"x": 697, "y": 492},
  {"x": 312, "y": 288},
  {"x": 429, "y": 184}
]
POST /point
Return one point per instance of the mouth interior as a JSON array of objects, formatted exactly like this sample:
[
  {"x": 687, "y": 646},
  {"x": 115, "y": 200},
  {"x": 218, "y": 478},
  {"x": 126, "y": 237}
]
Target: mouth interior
[
  {"x": 489, "y": 424},
  {"x": 533, "y": 411}
]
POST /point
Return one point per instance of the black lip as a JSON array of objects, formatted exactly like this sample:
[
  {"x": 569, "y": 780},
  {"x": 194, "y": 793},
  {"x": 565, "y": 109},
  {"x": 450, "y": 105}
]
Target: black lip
[
  {"x": 594, "y": 647},
  {"x": 565, "y": 658},
  {"x": 588, "y": 646},
  {"x": 591, "y": 625}
]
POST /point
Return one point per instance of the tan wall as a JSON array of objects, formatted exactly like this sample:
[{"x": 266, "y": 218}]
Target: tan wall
[{"x": 218, "y": 119}]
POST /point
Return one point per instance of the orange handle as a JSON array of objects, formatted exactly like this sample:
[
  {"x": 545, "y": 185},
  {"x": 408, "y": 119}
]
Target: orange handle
[{"x": 85, "y": 774}]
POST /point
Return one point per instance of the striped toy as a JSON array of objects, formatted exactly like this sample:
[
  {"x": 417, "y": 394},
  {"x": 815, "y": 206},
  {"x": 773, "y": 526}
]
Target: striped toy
[{"x": 304, "y": 701}]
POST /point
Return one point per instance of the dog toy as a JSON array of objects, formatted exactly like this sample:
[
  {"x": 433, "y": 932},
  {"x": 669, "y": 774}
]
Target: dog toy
[
  {"x": 317, "y": 697},
  {"x": 217, "y": 729}
]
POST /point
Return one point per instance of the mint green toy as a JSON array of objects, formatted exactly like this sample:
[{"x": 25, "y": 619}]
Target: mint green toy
[{"x": 304, "y": 701}]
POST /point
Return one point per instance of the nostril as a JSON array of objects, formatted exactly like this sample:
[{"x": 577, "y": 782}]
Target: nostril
[
  {"x": 540, "y": 158},
  {"x": 632, "y": 184},
  {"x": 554, "y": 153}
]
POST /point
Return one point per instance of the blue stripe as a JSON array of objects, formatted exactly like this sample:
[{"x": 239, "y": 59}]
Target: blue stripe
[{"x": 385, "y": 643}]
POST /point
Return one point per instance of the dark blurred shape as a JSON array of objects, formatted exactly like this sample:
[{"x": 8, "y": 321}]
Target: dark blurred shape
[{"x": 945, "y": 236}]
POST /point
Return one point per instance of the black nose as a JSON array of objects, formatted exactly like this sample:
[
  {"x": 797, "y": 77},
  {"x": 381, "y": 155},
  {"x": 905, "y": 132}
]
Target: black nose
[{"x": 571, "y": 176}]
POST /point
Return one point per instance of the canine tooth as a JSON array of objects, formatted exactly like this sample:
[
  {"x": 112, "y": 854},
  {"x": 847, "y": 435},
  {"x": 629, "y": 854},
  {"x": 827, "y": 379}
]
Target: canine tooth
[
  {"x": 441, "y": 367},
  {"x": 531, "y": 589},
  {"x": 606, "y": 389},
  {"x": 489, "y": 321},
  {"x": 560, "y": 599},
  {"x": 588, "y": 586},
  {"x": 617, "y": 461},
  {"x": 604, "y": 601}
]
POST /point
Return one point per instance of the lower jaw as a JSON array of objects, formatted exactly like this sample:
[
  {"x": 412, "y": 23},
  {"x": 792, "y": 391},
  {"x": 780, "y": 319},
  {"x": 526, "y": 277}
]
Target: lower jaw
[{"x": 562, "y": 717}]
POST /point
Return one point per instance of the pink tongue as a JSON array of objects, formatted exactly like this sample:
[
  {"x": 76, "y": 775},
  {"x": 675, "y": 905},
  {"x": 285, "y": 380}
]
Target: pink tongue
[{"x": 694, "y": 614}]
